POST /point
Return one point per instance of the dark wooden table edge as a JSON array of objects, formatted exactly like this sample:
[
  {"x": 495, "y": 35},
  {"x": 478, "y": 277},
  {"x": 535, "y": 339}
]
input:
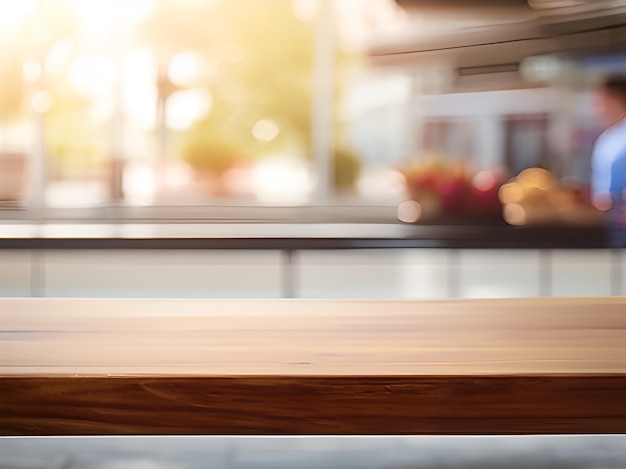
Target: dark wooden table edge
[{"x": 313, "y": 405}]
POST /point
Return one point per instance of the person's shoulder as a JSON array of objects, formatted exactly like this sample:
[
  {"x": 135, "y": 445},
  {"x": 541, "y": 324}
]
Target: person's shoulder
[
  {"x": 617, "y": 130},
  {"x": 610, "y": 138},
  {"x": 620, "y": 162},
  {"x": 603, "y": 136}
]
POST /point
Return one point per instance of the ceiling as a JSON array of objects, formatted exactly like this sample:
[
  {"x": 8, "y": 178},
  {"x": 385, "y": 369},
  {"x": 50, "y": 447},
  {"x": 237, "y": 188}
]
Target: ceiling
[
  {"x": 479, "y": 32},
  {"x": 490, "y": 4}
]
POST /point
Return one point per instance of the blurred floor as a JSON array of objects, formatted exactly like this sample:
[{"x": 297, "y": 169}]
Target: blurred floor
[{"x": 558, "y": 452}]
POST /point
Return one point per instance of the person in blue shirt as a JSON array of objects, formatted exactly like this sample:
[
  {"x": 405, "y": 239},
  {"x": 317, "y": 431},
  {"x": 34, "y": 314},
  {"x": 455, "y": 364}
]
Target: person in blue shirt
[
  {"x": 617, "y": 214},
  {"x": 610, "y": 106}
]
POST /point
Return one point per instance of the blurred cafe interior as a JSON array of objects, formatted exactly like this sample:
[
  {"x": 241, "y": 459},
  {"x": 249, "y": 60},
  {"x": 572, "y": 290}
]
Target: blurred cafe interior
[
  {"x": 335, "y": 150},
  {"x": 464, "y": 128}
]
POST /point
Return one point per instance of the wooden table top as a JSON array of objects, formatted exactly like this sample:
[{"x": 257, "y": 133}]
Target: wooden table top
[
  {"x": 86, "y": 366},
  {"x": 297, "y": 337}
]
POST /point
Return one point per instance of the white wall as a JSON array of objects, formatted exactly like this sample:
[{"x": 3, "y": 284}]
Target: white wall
[
  {"x": 491, "y": 140},
  {"x": 15, "y": 270},
  {"x": 372, "y": 274},
  {"x": 191, "y": 274},
  {"x": 499, "y": 274},
  {"x": 586, "y": 273},
  {"x": 361, "y": 274},
  {"x": 489, "y": 103}
]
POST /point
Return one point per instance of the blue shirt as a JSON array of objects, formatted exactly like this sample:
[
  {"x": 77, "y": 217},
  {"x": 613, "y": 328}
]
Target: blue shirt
[
  {"x": 617, "y": 215},
  {"x": 618, "y": 179},
  {"x": 608, "y": 148}
]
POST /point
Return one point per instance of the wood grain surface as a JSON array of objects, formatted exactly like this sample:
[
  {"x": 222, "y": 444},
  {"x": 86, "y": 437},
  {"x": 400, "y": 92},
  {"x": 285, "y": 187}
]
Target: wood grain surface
[{"x": 78, "y": 367}]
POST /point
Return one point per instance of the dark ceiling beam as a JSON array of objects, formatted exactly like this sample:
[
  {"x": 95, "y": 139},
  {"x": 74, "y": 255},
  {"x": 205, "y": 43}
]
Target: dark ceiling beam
[{"x": 443, "y": 5}]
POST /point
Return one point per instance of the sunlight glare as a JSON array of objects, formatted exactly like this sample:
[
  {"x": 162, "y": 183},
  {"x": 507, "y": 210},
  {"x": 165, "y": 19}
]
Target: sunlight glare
[
  {"x": 59, "y": 57},
  {"x": 31, "y": 70},
  {"x": 13, "y": 12},
  {"x": 184, "y": 68},
  {"x": 92, "y": 74},
  {"x": 281, "y": 180},
  {"x": 305, "y": 10},
  {"x": 139, "y": 89},
  {"x": 139, "y": 183},
  {"x": 186, "y": 107}
]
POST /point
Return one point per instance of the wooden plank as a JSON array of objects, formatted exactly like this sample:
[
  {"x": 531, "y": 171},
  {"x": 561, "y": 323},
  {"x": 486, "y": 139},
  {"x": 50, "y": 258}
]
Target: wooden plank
[
  {"x": 279, "y": 405},
  {"x": 76, "y": 367}
]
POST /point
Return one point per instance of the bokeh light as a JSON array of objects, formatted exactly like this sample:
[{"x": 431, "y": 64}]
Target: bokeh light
[
  {"x": 42, "y": 102},
  {"x": 265, "y": 130},
  {"x": 409, "y": 211}
]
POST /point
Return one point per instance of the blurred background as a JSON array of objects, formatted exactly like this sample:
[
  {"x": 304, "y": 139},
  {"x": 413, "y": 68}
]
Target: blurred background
[
  {"x": 387, "y": 119},
  {"x": 241, "y": 103}
]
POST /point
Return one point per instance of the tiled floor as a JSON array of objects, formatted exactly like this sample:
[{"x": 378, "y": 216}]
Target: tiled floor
[{"x": 552, "y": 452}]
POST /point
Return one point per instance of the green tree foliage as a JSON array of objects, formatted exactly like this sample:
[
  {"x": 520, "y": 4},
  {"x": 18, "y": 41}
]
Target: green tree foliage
[
  {"x": 262, "y": 57},
  {"x": 71, "y": 139},
  {"x": 262, "y": 68}
]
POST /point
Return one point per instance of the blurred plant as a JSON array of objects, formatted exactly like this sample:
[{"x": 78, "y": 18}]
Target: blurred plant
[
  {"x": 71, "y": 139},
  {"x": 211, "y": 154},
  {"x": 448, "y": 189},
  {"x": 346, "y": 171},
  {"x": 70, "y": 136}
]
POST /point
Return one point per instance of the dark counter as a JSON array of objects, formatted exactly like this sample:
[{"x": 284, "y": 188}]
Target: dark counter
[{"x": 295, "y": 236}]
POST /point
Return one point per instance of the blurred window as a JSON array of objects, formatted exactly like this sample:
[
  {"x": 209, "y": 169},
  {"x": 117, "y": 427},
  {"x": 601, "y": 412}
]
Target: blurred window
[
  {"x": 450, "y": 137},
  {"x": 159, "y": 101},
  {"x": 526, "y": 138}
]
